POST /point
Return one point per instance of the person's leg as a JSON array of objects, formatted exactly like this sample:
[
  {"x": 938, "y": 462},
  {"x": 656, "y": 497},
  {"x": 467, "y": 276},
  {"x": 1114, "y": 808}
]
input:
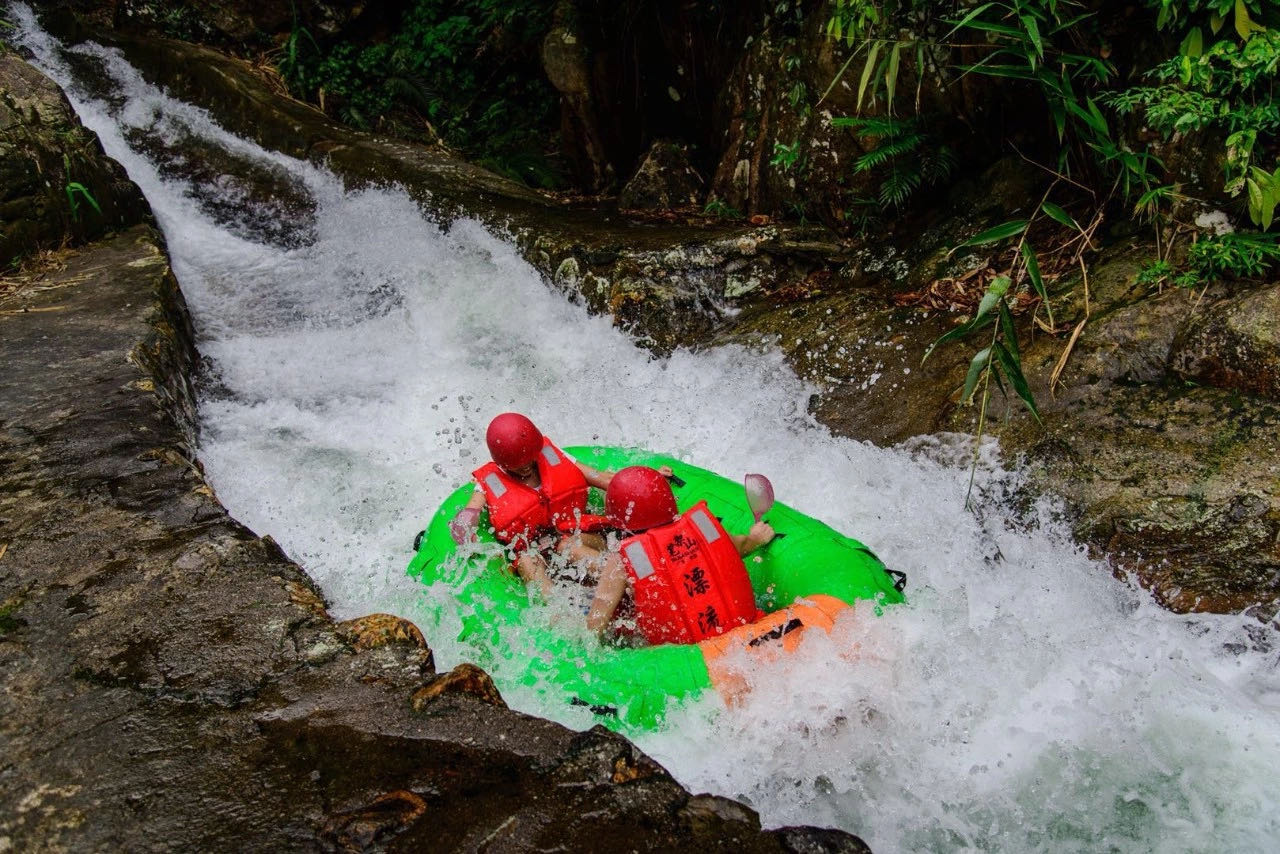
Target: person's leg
[{"x": 533, "y": 571}]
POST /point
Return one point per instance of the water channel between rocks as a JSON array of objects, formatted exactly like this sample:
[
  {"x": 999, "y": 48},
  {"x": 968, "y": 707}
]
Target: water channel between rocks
[{"x": 1023, "y": 700}]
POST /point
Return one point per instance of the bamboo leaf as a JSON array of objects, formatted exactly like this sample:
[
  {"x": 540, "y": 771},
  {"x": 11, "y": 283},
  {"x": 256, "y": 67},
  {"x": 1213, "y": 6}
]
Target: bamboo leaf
[
  {"x": 1059, "y": 215},
  {"x": 1017, "y": 72},
  {"x": 995, "y": 294},
  {"x": 1008, "y": 330},
  {"x": 891, "y": 73},
  {"x": 1033, "y": 32},
  {"x": 999, "y": 29},
  {"x": 841, "y": 72},
  {"x": 980, "y": 362},
  {"x": 1012, "y": 369},
  {"x": 992, "y": 235},
  {"x": 964, "y": 22},
  {"x": 867, "y": 71},
  {"x": 1033, "y": 272},
  {"x": 956, "y": 334}
]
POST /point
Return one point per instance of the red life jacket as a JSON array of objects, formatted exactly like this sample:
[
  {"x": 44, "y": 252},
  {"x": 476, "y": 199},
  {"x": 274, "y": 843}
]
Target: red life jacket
[
  {"x": 520, "y": 513},
  {"x": 689, "y": 581}
]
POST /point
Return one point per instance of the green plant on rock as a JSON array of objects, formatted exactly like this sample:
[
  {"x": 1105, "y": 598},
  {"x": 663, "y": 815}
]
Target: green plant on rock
[
  {"x": 906, "y": 155},
  {"x": 1227, "y": 86},
  {"x": 720, "y": 210},
  {"x": 77, "y": 191},
  {"x": 1000, "y": 361},
  {"x": 1235, "y": 255},
  {"x": 786, "y": 156}
]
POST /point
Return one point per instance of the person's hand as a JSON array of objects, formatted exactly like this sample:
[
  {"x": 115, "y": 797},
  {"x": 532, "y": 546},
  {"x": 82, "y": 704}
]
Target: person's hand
[
  {"x": 761, "y": 532},
  {"x": 464, "y": 524},
  {"x": 666, "y": 471}
]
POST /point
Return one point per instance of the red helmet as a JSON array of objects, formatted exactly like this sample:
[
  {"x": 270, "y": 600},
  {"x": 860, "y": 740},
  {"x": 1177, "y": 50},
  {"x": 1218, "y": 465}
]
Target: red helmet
[
  {"x": 639, "y": 498},
  {"x": 513, "y": 440}
]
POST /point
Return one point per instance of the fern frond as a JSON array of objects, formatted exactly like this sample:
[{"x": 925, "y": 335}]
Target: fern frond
[
  {"x": 888, "y": 151},
  {"x": 899, "y": 186}
]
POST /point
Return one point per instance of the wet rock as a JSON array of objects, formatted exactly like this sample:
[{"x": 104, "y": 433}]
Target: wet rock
[
  {"x": 377, "y": 630},
  {"x": 1179, "y": 485},
  {"x": 664, "y": 180},
  {"x": 56, "y": 184},
  {"x": 1234, "y": 344},
  {"x": 812, "y": 840},
  {"x": 369, "y": 827},
  {"x": 711, "y": 813},
  {"x": 464, "y": 679}
]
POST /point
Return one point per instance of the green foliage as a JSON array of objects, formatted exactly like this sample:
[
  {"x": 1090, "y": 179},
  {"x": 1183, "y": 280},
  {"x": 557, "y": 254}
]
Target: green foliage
[
  {"x": 468, "y": 70},
  {"x": 906, "y": 155},
  {"x": 719, "y": 209},
  {"x": 786, "y": 156},
  {"x": 1155, "y": 273},
  {"x": 999, "y": 362},
  {"x": 851, "y": 20},
  {"x": 77, "y": 191},
  {"x": 1227, "y": 87},
  {"x": 1236, "y": 255}
]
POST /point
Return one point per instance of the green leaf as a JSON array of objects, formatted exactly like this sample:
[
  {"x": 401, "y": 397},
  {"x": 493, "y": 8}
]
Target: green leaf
[
  {"x": 1088, "y": 117},
  {"x": 995, "y": 293},
  {"x": 1059, "y": 215},
  {"x": 1033, "y": 33},
  {"x": 1244, "y": 24},
  {"x": 999, "y": 29},
  {"x": 1018, "y": 72},
  {"x": 891, "y": 73},
  {"x": 993, "y": 235},
  {"x": 1033, "y": 272},
  {"x": 963, "y": 22},
  {"x": 1008, "y": 330},
  {"x": 980, "y": 361},
  {"x": 956, "y": 334},
  {"x": 1012, "y": 368},
  {"x": 1193, "y": 45},
  {"x": 867, "y": 71},
  {"x": 1255, "y": 201},
  {"x": 1215, "y": 22}
]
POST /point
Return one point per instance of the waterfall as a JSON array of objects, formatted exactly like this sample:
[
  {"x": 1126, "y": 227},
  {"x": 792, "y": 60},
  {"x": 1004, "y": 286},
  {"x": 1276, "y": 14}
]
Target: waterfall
[{"x": 354, "y": 351}]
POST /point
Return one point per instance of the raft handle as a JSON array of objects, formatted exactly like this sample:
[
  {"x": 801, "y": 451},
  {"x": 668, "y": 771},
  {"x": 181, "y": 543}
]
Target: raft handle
[
  {"x": 676, "y": 480},
  {"x": 417, "y": 540},
  {"x": 792, "y": 624},
  {"x": 607, "y": 711},
  {"x": 899, "y": 578}
]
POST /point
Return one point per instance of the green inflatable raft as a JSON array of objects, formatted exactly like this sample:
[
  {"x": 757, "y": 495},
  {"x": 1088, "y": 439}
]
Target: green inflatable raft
[{"x": 802, "y": 581}]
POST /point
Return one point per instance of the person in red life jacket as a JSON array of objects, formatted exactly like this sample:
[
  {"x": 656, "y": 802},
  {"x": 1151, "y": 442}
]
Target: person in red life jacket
[
  {"x": 684, "y": 570},
  {"x": 536, "y": 496}
]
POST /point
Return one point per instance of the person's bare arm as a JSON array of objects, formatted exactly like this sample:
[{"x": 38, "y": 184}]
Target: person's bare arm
[
  {"x": 600, "y": 479},
  {"x": 613, "y": 584},
  {"x": 467, "y": 519},
  {"x": 761, "y": 532}
]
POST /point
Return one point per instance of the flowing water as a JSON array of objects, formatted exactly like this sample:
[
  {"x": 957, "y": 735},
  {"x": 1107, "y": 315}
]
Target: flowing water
[{"x": 1023, "y": 700}]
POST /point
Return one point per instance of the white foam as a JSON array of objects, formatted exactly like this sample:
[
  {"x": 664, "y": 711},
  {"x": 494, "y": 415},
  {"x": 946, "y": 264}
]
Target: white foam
[{"x": 1024, "y": 700}]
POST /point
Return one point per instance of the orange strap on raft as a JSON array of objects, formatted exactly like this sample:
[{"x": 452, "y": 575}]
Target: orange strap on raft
[{"x": 773, "y": 633}]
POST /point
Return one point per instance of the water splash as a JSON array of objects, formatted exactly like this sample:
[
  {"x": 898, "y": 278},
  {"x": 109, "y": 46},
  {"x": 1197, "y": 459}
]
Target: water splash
[{"x": 1024, "y": 700}]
